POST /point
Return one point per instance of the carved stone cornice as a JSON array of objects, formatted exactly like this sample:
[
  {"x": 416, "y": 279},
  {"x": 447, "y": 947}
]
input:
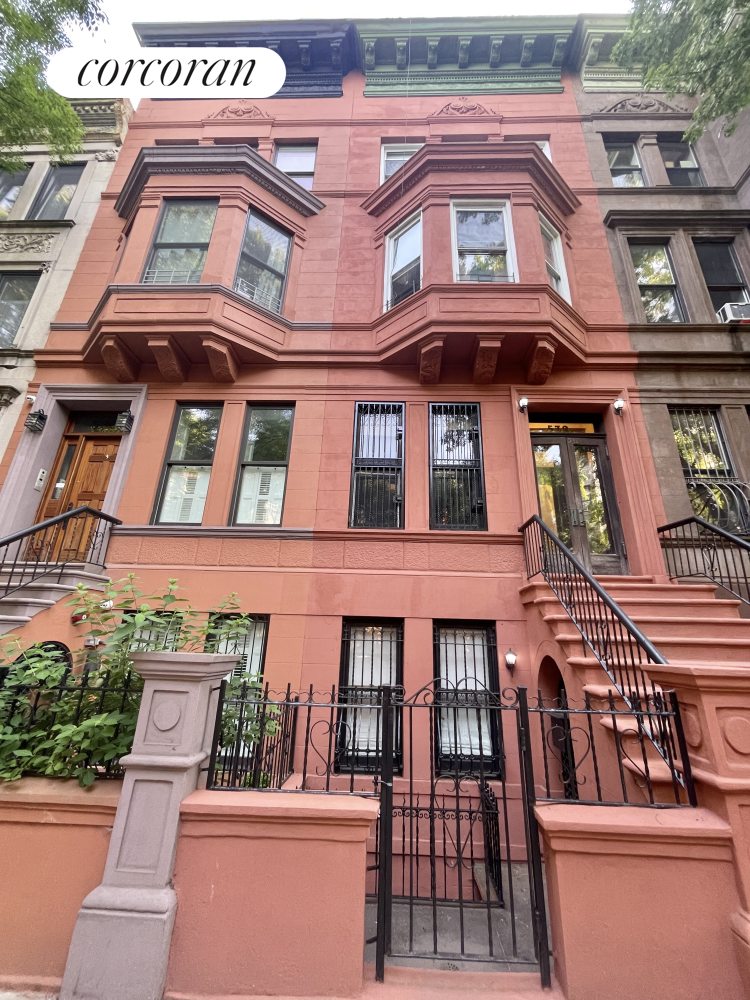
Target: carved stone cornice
[
  {"x": 153, "y": 161},
  {"x": 475, "y": 157},
  {"x": 733, "y": 218}
]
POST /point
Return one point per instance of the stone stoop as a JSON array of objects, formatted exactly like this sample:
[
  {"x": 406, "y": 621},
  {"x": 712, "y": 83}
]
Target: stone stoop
[{"x": 19, "y": 608}]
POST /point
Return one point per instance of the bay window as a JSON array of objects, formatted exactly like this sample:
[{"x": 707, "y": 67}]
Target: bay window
[
  {"x": 403, "y": 261},
  {"x": 656, "y": 282},
  {"x": 553, "y": 258},
  {"x": 481, "y": 241},
  {"x": 188, "y": 467},
  {"x": 179, "y": 250},
  {"x": 263, "y": 465},
  {"x": 264, "y": 262}
]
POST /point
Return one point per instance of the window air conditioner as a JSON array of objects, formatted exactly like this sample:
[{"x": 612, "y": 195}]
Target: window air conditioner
[{"x": 734, "y": 312}]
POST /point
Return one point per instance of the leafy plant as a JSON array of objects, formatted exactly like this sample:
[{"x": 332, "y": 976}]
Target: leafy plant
[{"x": 74, "y": 715}]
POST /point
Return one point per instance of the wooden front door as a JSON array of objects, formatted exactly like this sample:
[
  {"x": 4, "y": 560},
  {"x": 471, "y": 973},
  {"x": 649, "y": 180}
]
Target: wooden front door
[{"x": 577, "y": 498}]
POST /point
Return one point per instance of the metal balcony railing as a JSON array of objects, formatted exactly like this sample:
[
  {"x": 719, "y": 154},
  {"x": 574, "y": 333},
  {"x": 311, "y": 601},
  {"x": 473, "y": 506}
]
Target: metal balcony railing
[
  {"x": 722, "y": 502},
  {"x": 257, "y": 295},
  {"x": 163, "y": 276},
  {"x": 693, "y": 548}
]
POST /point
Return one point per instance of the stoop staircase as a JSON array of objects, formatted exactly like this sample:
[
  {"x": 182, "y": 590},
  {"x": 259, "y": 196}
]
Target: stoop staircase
[{"x": 44, "y": 563}]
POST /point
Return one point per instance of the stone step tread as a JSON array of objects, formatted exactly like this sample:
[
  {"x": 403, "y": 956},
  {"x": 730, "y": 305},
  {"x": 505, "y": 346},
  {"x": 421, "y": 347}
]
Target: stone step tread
[
  {"x": 20, "y": 598},
  {"x": 670, "y": 620},
  {"x": 675, "y": 640}
]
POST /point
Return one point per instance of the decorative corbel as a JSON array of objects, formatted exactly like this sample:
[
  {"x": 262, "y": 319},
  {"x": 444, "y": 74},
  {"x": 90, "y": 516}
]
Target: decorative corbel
[
  {"x": 527, "y": 49},
  {"x": 496, "y": 45},
  {"x": 170, "y": 358},
  {"x": 370, "y": 54},
  {"x": 402, "y": 45},
  {"x": 120, "y": 362},
  {"x": 539, "y": 360},
  {"x": 224, "y": 364},
  {"x": 305, "y": 55},
  {"x": 430, "y": 357},
  {"x": 592, "y": 56},
  {"x": 485, "y": 359},
  {"x": 432, "y": 51},
  {"x": 559, "y": 50},
  {"x": 336, "y": 54},
  {"x": 464, "y": 44}
]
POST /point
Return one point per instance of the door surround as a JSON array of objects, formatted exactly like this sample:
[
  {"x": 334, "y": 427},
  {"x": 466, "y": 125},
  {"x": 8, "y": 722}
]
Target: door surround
[{"x": 18, "y": 498}]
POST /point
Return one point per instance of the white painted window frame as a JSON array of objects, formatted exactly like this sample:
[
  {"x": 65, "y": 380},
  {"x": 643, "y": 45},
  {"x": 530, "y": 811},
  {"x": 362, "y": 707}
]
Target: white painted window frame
[
  {"x": 501, "y": 205},
  {"x": 390, "y": 241},
  {"x": 557, "y": 250},
  {"x": 393, "y": 147}
]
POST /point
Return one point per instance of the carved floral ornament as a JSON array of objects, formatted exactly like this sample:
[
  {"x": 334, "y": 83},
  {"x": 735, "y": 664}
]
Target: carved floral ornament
[
  {"x": 240, "y": 110},
  {"x": 641, "y": 104},
  {"x": 26, "y": 242},
  {"x": 463, "y": 107}
]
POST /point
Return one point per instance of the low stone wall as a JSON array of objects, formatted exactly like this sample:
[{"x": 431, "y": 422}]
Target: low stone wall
[
  {"x": 639, "y": 902},
  {"x": 54, "y": 837},
  {"x": 271, "y": 895}
]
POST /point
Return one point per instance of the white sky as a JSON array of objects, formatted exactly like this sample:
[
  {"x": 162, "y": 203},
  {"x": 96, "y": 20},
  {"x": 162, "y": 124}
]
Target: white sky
[{"x": 122, "y": 13}]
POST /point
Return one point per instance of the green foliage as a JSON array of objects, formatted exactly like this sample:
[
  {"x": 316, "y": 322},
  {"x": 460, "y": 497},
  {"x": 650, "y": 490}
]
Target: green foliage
[
  {"x": 694, "y": 47},
  {"x": 31, "y": 112},
  {"x": 62, "y": 717}
]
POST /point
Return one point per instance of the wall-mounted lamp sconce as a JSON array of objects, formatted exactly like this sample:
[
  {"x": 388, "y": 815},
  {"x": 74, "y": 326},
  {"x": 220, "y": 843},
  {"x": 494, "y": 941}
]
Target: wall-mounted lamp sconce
[
  {"x": 618, "y": 406},
  {"x": 523, "y": 404},
  {"x": 31, "y": 399},
  {"x": 510, "y": 661},
  {"x": 36, "y": 421},
  {"x": 124, "y": 422}
]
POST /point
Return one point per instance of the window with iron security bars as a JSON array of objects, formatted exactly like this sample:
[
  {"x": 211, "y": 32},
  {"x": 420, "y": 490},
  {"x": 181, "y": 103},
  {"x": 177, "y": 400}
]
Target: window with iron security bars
[
  {"x": 371, "y": 658},
  {"x": 378, "y": 466},
  {"x": 456, "y": 480},
  {"x": 250, "y": 647},
  {"x": 466, "y": 681}
]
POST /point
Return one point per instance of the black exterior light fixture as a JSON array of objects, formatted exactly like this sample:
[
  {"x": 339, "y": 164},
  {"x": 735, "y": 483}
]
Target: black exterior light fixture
[
  {"x": 35, "y": 421},
  {"x": 124, "y": 422},
  {"x": 510, "y": 661},
  {"x": 523, "y": 404}
]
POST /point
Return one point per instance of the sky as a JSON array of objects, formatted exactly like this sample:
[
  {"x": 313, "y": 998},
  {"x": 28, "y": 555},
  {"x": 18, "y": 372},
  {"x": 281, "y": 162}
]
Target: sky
[{"x": 122, "y": 14}]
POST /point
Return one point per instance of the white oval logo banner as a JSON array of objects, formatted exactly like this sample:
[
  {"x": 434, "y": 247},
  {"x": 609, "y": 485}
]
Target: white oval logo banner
[{"x": 131, "y": 71}]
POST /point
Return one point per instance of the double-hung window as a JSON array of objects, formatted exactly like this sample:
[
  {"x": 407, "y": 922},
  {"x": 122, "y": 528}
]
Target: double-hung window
[
  {"x": 403, "y": 261},
  {"x": 682, "y": 166},
  {"x": 721, "y": 272},
  {"x": 250, "y": 646},
  {"x": 188, "y": 468},
  {"x": 481, "y": 242},
  {"x": 264, "y": 262},
  {"x": 56, "y": 193},
  {"x": 553, "y": 258},
  {"x": 466, "y": 676},
  {"x": 298, "y": 162},
  {"x": 624, "y": 165},
  {"x": 10, "y": 188},
  {"x": 179, "y": 251},
  {"x": 395, "y": 155},
  {"x": 656, "y": 282},
  {"x": 378, "y": 466},
  {"x": 16, "y": 291},
  {"x": 456, "y": 480},
  {"x": 263, "y": 465},
  {"x": 371, "y": 658}
]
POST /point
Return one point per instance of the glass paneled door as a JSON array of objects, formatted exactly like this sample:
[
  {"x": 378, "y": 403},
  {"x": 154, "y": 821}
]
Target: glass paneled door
[{"x": 577, "y": 498}]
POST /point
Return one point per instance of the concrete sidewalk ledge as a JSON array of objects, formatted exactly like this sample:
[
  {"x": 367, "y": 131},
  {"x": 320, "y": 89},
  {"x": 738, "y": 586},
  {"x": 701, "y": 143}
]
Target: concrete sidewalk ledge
[{"x": 273, "y": 807}]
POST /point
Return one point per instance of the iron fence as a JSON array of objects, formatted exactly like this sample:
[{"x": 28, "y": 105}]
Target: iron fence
[
  {"x": 76, "y": 536},
  {"x": 693, "y": 548}
]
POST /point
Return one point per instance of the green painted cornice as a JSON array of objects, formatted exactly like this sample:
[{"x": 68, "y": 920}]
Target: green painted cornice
[
  {"x": 590, "y": 54},
  {"x": 478, "y": 55}
]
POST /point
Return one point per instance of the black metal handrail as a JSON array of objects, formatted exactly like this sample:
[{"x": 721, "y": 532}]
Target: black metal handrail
[
  {"x": 693, "y": 547},
  {"x": 617, "y": 643},
  {"x": 80, "y": 535}
]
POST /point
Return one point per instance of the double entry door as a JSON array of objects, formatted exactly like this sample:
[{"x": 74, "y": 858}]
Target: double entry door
[{"x": 577, "y": 498}]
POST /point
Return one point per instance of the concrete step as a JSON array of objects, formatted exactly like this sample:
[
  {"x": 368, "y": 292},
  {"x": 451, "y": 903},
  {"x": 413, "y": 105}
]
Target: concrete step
[
  {"x": 21, "y": 605},
  {"x": 10, "y": 622},
  {"x": 677, "y": 647},
  {"x": 410, "y": 983},
  {"x": 655, "y": 626},
  {"x": 661, "y": 606}
]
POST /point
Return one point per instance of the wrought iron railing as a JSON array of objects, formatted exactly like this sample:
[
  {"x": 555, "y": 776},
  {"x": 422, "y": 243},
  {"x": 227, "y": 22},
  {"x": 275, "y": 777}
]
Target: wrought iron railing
[
  {"x": 77, "y": 536},
  {"x": 693, "y": 548},
  {"x": 619, "y": 646},
  {"x": 722, "y": 502},
  {"x": 255, "y": 294},
  {"x": 168, "y": 276}
]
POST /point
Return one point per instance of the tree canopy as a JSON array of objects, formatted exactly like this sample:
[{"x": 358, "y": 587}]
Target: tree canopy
[
  {"x": 31, "y": 112},
  {"x": 694, "y": 47}
]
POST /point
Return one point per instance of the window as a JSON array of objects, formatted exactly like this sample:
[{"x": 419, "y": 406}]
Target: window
[
  {"x": 457, "y": 482},
  {"x": 10, "y": 188},
  {"x": 720, "y": 272},
  {"x": 624, "y": 165},
  {"x": 716, "y": 494},
  {"x": 553, "y": 258},
  {"x": 682, "y": 166},
  {"x": 15, "y": 294},
  {"x": 57, "y": 191},
  {"x": 181, "y": 244},
  {"x": 480, "y": 242},
  {"x": 394, "y": 156},
  {"x": 188, "y": 468},
  {"x": 371, "y": 658},
  {"x": 656, "y": 283},
  {"x": 404, "y": 262},
  {"x": 298, "y": 162},
  {"x": 543, "y": 144},
  {"x": 378, "y": 466},
  {"x": 466, "y": 675},
  {"x": 250, "y": 647},
  {"x": 263, "y": 465},
  {"x": 264, "y": 262}
]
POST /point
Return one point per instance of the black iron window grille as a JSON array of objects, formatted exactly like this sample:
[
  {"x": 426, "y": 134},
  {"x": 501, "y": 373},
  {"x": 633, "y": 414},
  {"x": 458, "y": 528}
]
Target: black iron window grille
[
  {"x": 56, "y": 193},
  {"x": 264, "y": 262},
  {"x": 187, "y": 472},
  {"x": 404, "y": 262},
  {"x": 371, "y": 659},
  {"x": 250, "y": 647},
  {"x": 179, "y": 250},
  {"x": 656, "y": 283},
  {"x": 721, "y": 272},
  {"x": 716, "y": 493},
  {"x": 457, "y": 480},
  {"x": 377, "y": 490},
  {"x": 467, "y": 683},
  {"x": 624, "y": 165},
  {"x": 263, "y": 465}
]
